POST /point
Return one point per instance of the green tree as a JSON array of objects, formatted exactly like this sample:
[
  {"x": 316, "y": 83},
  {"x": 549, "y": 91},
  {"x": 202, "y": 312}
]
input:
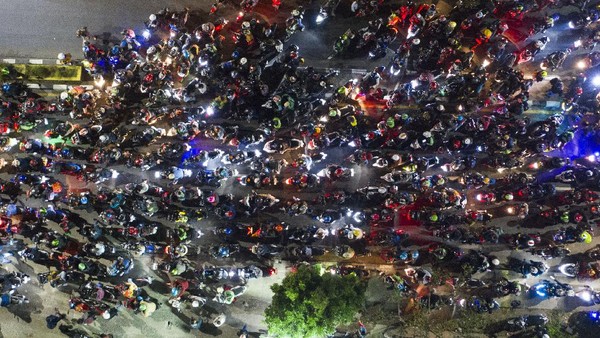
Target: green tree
[{"x": 307, "y": 304}]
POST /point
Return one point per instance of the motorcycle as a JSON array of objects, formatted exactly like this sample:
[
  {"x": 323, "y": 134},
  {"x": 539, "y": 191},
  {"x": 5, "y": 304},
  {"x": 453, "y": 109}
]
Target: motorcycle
[
  {"x": 527, "y": 268},
  {"x": 400, "y": 177},
  {"x": 555, "y": 60},
  {"x": 282, "y": 146},
  {"x": 527, "y": 321},
  {"x": 303, "y": 180},
  {"x": 141, "y": 248},
  {"x": 266, "y": 250},
  {"x": 304, "y": 252},
  {"x": 480, "y": 306},
  {"x": 547, "y": 288},
  {"x": 224, "y": 250},
  {"x": 120, "y": 267},
  {"x": 551, "y": 252},
  {"x": 572, "y": 235},
  {"x": 228, "y": 295},
  {"x": 588, "y": 295},
  {"x": 215, "y": 273},
  {"x": 336, "y": 172},
  {"x": 506, "y": 287}
]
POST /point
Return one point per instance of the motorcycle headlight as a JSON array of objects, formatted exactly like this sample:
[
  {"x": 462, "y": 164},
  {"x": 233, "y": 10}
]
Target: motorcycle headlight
[{"x": 585, "y": 296}]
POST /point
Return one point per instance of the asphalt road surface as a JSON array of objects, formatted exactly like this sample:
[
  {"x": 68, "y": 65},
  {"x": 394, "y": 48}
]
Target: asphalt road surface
[{"x": 43, "y": 28}]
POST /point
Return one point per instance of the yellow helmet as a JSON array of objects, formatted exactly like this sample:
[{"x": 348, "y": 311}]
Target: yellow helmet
[
  {"x": 452, "y": 24},
  {"x": 487, "y": 33}
]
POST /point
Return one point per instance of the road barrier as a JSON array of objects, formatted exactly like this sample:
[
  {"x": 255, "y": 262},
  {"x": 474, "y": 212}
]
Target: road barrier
[{"x": 40, "y": 72}]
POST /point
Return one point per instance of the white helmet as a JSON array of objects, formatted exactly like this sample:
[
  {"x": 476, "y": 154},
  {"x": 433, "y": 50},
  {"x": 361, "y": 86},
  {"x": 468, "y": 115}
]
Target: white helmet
[
  {"x": 495, "y": 262},
  {"x": 295, "y": 12},
  {"x": 245, "y": 25},
  {"x": 152, "y": 17},
  {"x": 205, "y": 27},
  {"x": 62, "y": 56},
  {"x": 243, "y": 61},
  {"x": 195, "y": 303},
  {"x": 416, "y": 41}
]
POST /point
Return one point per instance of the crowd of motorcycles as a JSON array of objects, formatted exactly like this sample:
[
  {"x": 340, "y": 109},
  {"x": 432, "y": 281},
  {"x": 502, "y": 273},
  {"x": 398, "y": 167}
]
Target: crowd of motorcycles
[{"x": 189, "y": 116}]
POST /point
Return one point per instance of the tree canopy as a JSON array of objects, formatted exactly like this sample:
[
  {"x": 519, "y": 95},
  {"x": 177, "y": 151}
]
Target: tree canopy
[{"x": 307, "y": 304}]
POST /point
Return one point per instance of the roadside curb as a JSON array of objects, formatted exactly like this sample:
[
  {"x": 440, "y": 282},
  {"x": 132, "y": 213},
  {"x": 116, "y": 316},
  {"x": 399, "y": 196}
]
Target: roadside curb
[
  {"x": 57, "y": 87},
  {"x": 13, "y": 61}
]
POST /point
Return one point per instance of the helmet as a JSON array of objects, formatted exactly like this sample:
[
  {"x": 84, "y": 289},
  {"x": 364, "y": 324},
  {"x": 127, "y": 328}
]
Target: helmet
[
  {"x": 81, "y": 266},
  {"x": 205, "y": 27},
  {"x": 534, "y": 270},
  {"x": 152, "y": 17},
  {"x": 452, "y": 24},
  {"x": 62, "y": 56},
  {"x": 416, "y": 41},
  {"x": 508, "y": 197},
  {"x": 55, "y": 242},
  {"x": 243, "y": 61},
  {"x": 295, "y": 12},
  {"x": 390, "y": 122},
  {"x": 195, "y": 303},
  {"x": 245, "y": 25},
  {"x": 434, "y": 218}
]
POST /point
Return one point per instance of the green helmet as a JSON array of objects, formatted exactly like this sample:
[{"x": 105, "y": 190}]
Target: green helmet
[
  {"x": 81, "y": 266},
  {"x": 390, "y": 122},
  {"x": 55, "y": 242},
  {"x": 276, "y": 122}
]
